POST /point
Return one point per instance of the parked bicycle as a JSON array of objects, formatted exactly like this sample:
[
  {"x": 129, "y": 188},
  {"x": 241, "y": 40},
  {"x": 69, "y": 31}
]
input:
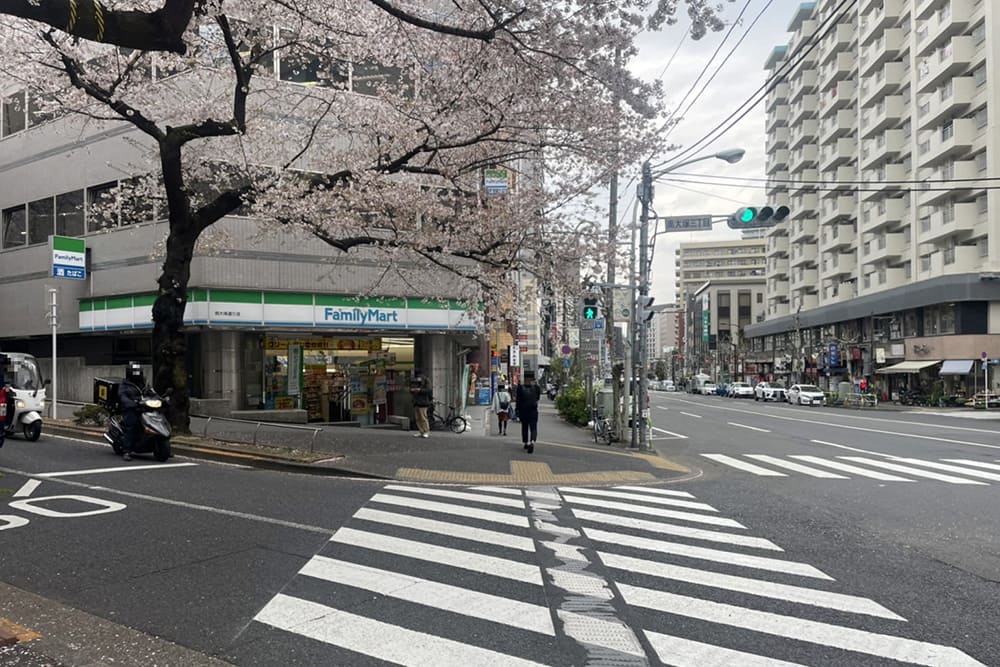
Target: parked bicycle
[
  {"x": 602, "y": 429},
  {"x": 451, "y": 421}
]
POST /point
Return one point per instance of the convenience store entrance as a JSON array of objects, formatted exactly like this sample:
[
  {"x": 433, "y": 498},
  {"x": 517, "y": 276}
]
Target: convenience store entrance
[{"x": 338, "y": 379}]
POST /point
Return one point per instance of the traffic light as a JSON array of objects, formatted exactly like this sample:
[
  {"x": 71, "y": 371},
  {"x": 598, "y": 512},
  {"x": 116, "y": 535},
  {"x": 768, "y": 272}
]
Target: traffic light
[
  {"x": 646, "y": 306},
  {"x": 590, "y": 311},
  {"x": 751, "y": 217}
]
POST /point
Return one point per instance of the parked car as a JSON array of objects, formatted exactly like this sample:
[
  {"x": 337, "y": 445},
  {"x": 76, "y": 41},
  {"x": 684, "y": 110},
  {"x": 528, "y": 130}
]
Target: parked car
[
  {"x": 805, "y": 394},
  {"x": 667, "y": 385},
  {"x": 741, "y": 390},
  {"x": 769, "y": 391},
  {"x": 709, "y": 388}
]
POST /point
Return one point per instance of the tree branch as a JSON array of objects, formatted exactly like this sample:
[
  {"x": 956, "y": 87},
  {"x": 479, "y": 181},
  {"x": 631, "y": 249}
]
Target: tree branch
[{"x": 486, "y": 35}]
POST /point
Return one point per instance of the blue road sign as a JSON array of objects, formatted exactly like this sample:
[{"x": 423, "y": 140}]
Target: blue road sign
[
  {"x": 599, "y": 323},
  {"x": 567, "y": 363}
]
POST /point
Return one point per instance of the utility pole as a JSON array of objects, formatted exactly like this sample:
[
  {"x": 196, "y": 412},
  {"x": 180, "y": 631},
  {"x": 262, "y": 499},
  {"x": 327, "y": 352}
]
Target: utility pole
[
  {"x": 609, "y": 331},
  {"x": 645, "y": 198}
]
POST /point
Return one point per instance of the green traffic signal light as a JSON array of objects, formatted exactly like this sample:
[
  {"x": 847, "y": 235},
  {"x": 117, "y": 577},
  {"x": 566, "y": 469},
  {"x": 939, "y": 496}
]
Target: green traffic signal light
[{"x": 747, "y": 215}]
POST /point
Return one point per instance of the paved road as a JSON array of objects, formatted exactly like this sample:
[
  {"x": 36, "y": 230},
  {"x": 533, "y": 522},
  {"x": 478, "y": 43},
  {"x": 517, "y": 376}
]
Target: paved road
[{"x": 193, "y": 563}]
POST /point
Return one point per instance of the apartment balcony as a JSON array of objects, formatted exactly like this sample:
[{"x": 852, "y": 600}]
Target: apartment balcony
[
  {"x": 949, "y": 101},
  {"x": 803, "y": 229},
  {"x": 804, "y": 108},
  {"x": 805, "y": 279},
  {"x": 777, "y": 160},
  {"x": 777, "y": 183},
  {"x": 840, "y": 124},
  {"x": 882, "y": 50},
  {"x": 886, "y": 146},
  {"x": 887, "y": 112},
  {"x": 891, "y": 278},
  {"x": 804, "y": 203},
  {"x": 962, "y": 171},
  {"x": 885, "y": 248},
  {"x": 778, "y": 286},
  {"x": 838, "y": 264},
  {"x": 947, "y": 61},
  {"x": 885, "y": 178},
  {"x": 885, "y": 81},
  {"x": 841, "y": 207},
  {"x": 804, "y": 254},
  {"x": 777, "y": 267},
  {"x": 879, "y": 16},
  {"x": 778, "y": 95},
  {"x": 778, "y": 138},
  {"x": 840, "y": 95},
  {"x": 959, "y": 259},
  {"x": 805, "y": 181},
  {"x": 841, "y": 66},
  {"x": 777, "y": 116},
  {"x": 957, "y": 220},
  {"x": 836, "y": 154},
  {"x": 804, "y": 157},
  {"x": 805, "y": 82},
  {"x": 950, "y": 16},
  {"x": 837, "y": 235},
  {"x": 888, "y": 212},
  {"x": 776, "y": 246},
  {"x": 804, "y": 132},
  {"x": 779, "y": 308},
  {"x": 951, "y": 139}
]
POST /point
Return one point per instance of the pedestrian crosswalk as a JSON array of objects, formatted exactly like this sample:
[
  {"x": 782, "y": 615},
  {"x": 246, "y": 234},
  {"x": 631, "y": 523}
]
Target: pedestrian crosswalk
[
  {"x": 885, "y": 469},
  {"x": 628, "y": 575}
]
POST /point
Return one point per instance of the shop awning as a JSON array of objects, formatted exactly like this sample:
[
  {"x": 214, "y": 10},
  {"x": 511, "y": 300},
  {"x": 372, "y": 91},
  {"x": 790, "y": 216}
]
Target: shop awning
[
  {"x": 907, "y": 367},
  {"x": 956, "y": 367}
]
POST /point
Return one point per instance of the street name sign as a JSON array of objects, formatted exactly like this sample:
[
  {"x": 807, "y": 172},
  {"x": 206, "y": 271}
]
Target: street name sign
[{"x": 693, "y": 223}]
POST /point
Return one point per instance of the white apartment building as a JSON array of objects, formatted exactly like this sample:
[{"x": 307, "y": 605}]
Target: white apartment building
[
  {"x": 881, "y": 140},
  {"x": 740, "y": 261}
]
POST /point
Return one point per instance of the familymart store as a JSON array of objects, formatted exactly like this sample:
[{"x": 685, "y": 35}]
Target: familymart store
[{"x": 337, "y": 358}]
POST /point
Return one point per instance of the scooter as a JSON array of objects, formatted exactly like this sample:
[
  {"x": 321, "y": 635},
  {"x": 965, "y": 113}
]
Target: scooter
[
  {"x": 155, "y": 437},
  {"x": 551, "y": 391},
  {"x": 25, "y": 396}
]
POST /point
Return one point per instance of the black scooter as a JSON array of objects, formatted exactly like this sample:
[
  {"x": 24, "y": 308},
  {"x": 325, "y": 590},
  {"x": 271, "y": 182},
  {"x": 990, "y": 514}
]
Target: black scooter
[{"x": 155, "y": 437}]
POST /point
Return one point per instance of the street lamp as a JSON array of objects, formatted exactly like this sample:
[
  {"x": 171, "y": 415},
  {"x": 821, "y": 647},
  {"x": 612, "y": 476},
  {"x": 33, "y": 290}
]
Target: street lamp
[{"x": 645, "y": 196}]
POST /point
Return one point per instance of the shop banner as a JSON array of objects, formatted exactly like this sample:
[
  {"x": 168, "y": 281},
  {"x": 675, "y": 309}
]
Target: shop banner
[{"x": 294, "y": 370}]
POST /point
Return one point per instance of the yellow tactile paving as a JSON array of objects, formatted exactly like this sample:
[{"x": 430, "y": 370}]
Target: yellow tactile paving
[
  {"x": 524, "y": 472},
  {"x": 11, "y": 629}
]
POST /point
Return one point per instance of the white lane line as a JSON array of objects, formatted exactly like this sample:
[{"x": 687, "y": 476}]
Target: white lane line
[
  {"x": 907, "y": 470},
  {"x": 457, "y": 510},
  {"x": 798, "y": 594},
  {"x": 977, "y": 464},
  {"x": 691, "y": 415},
  {"x": 950, "y": 468},
  {"x": 445, "y": 528},
  {"x": 797, "y": 467},
  {"x": 743, "y": 465},
  {"x": 497, "y": 489},
  {"x": 702, "y": 553},
  {"x": 28, "y": 488},
  {"x": 660, "y": 407},
  {"x": 431, "y": 553},
  {"x": 367, "y": 636},
  {"x": 824, "y": 634},
  {"x": 678, "y": 652},
  {"x": 458, "y": 495},
  {"x": 680, "y": 531},
  {"x": 121, "y": 468},
  {"x": 852, "y": 449},
  {"x": 677, "y": 436},
  {"x": 653, "y": 511},
  {"x": 635, "y": 497},
  {"x": 752, "y": 428},
  {"x": 523, "y": 615},
  {"x": 655, "y": 490},
  {"x": 854, "y": 470}
]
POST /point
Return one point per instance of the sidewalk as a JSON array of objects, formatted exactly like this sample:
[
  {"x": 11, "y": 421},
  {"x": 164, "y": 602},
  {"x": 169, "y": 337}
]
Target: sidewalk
[{"x": 564, "y": 454}]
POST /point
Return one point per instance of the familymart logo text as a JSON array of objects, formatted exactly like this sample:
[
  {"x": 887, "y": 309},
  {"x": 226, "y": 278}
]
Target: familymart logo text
[{"x": 361, "y": 315}]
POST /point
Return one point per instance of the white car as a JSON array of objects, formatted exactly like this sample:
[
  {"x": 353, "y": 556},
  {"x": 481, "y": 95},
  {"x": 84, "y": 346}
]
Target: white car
[
  {"x": 805, "y": 394},
  {"x": 765, "y": 391},
  {"x": 740, "y": 390},
  {"x": 709, "y": 389}
]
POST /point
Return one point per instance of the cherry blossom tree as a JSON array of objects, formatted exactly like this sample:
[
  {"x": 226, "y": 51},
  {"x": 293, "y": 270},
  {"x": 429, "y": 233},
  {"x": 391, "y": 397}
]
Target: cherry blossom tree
[{"x": 369, "y": 125}]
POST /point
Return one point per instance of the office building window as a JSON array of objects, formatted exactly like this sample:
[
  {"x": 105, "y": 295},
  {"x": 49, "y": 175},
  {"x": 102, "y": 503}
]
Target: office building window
[
  {"x": 69, "y": 214},
  {"x": 14, "y": 227},
  {"x": 102, "y": 206},
  {"x": 41, "y": 221}
]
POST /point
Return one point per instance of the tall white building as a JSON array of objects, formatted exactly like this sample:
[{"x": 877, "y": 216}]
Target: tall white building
[{"x": 881, "y": 136}]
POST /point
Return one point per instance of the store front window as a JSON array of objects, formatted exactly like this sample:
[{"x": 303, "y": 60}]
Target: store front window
[{"x": 338, "y": 379}]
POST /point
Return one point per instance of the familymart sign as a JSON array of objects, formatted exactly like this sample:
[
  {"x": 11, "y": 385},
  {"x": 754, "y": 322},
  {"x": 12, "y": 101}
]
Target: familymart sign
[
  {"x": 69, "y": 257},
  {"x": 284, "y": 309}
]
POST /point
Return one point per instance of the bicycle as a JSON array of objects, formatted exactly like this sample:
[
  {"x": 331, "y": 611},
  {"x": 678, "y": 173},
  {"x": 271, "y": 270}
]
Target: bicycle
[
  {"x": 452, "y": 421},
  {"x": 602, "y": 429}
]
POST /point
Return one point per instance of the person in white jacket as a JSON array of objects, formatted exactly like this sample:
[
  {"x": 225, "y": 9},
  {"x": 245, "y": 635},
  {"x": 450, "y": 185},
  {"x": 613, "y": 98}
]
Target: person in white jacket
[{"x": 501, "y": 406}]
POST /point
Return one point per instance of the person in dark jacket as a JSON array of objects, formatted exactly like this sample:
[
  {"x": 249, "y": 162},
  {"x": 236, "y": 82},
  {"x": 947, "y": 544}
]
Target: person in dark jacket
[
  {"x": 420, "y": 389},
  {"x": 129, "y": 401},
  {"x": 528, "y": 394}
]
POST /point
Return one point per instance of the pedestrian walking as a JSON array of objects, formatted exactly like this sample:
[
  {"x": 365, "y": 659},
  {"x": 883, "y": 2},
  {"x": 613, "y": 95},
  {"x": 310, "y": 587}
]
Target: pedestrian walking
[
  {"x": 420, "y": 389},
  {"x": 501, "y": 406},
  {"x": 527, "y": 397}
]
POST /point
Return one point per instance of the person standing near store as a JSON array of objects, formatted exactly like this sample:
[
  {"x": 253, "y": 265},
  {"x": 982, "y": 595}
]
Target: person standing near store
[
  {"x": 501, "y": 406},
  {"x": 528, "y": 394},
  {"x": 420, "y": 389}
]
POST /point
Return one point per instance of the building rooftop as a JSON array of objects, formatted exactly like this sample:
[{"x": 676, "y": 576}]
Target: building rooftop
[
  {"x": 777, "y": 54},
  {"x": 804, "y": 11}
]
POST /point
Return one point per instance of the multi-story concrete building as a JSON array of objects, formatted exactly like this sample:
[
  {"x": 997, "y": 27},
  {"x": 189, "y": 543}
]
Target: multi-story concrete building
[
  {"x": 881, "y": 138},
  {"x": 741, "y": 261}
]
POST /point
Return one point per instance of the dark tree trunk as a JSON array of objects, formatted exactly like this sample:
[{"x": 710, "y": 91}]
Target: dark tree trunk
[{"x": 169, "y": 342}]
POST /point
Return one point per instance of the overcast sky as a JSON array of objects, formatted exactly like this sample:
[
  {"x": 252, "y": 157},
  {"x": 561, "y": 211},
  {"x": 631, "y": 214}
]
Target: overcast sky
[{"x": 737, "y": 81}]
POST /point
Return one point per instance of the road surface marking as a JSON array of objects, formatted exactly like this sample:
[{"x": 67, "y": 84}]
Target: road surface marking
[
  {"x": 660, "y": 407},
  {"x": 523, "y": 615},
  {"x": 640, "y": 498},
  {"x": 906, "y": 470},
  {"x": 978, "y": 464},
  {"x": 446, "y": 528},
  {"x": 679, "y": 531},
  {"x": 824, "y": 634},
  {"x": 703, "y": 553},
  {"x": 852, "y": 449},
  {"x": 691, "y": 415},
  {"x": 798, "y": 594},
  {"x": 677, "y": 436},
  {"x": 836, "y": 465},
  {"x": 743, "y": 465},
  {"x": 657, "y": 491},
  {"x": 384, "y": 641},
  {"x": 752, "y": 428},
  {"x": 797, "y": 467},
  {"x": 653, "y": 511},
  {"x": 28, "y": 488},
  {"x": 949, "y": 468},
  {"x": 498, "y": 489},
  {"x": 465, "y": 560},
  {"x": 679, "y": 652},
  {"x": 460, "y": 495},
  {"x": 121, "y": 468},
  {"x": 457, "y": 510}
]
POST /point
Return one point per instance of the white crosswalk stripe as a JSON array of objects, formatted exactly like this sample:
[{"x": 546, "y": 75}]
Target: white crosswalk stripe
[
  {"x": 642, "y": 498},
  {"x": 963, "y": 471}
]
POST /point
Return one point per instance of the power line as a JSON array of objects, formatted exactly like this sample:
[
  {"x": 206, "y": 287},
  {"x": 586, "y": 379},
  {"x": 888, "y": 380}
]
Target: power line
[
  {"x": 792, "y": 181},
  {"x": 845, "y": 188}
]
